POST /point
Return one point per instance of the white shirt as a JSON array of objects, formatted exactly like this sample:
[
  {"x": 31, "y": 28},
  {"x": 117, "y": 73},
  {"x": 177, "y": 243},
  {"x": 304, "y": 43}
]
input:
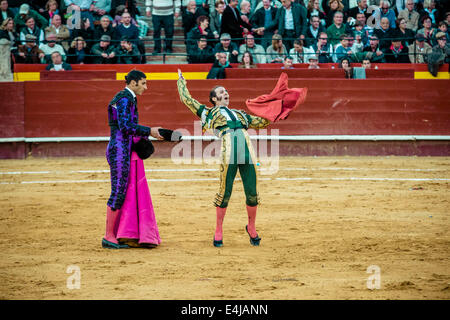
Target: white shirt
[
  {"x": 134, "y": 95},
  {"x": 289, "y": 20}
]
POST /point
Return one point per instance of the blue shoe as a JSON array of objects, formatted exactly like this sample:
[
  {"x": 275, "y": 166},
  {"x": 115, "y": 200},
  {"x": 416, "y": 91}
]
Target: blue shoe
[
  {"x": 111, "y": 245},
  {"x": 217, "y": 243},
  {"x": 254, "y": 241}
]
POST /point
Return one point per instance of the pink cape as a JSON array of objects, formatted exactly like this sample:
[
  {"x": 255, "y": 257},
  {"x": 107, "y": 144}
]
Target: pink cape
[
  {"x": 137, "y": 218},
  {"x": 279, "y": 103}
]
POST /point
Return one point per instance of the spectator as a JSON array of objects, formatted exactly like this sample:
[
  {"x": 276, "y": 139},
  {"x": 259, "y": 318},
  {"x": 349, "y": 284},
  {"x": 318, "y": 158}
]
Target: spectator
[
  {"x": 228, "y": 47},
  {"x": 78, "y": 52},
  {"x": 57, "y": 63},
  {"x": 232, "y": 22},
  {"x": 366, "y": 64},
  {"x": 397, "y": 53},
  {"x": 51, "y": 8},
  {"x": 104, "y": 52},
  {"x": 287, "y": 63},
  {"x": 384, "y": 12},
  {"x": 131, "y": 7},
  {"x": 8, "y": 32},
  {"x": 335, "y": 6},
  {"x": 361, "y": 7},
  {"x": 373, "y": 51},
  {"x": 439, "y": 55},
  {"x": 313, "y": 62},
  {"x": 343, "y": 50},
  {"x": 245, "y": 11},
  {"x": 163, "y": 13},
  {"x": 190, "y": 16},
  {"x": 428, "y": 31},
  {"x": 85, "y": 31},
  {"x": 51, "y": 46},
  {"x": 61, "y": 31},
  {"x": 365, "y": 30},
  {"x": 29, "y": 52},
  {"x": 101, "y": 8},
  {"x": 406, "y": 35},
  {"x": 84, "y": 7},
  {"x": 120, "y": 10},
  {"x": 277, "y": 51},
  {"x": 314, "y": 10},
  {"x": 24, "y": 13},
  {"x": 292, "y": 22},
  {"x": 216, "y": 18},
  {"x": 429, "y": 10},
  {"x": 104, "y": 28},
  {"x": 218, "y": 68},
  {"x": 418, "y": 51},
  {"x": 132, "y": 32},
  {"x": 336, "y": 29},
  {"x": 410, "y": 15},
  {"x": 297, "y": 53},
  {"x": 384, "y": 33},
  {"x": 257, "y": 51},
  {"x": 5, "y": 11},
  {"x": 265, "y": 23},
  {"x": 247, "y": 61},
  {"x": 127, "y": 53},
  {"x": 202, "y": 53},
  {"x": 322, "y": 49},
  {"x": 346, "y": 65},
  {"x": 359, "y": 43},
  {"x": 313, "y": 31},
  {"x": 31, "y": 28},
  {"x": 200, "y": 30},
  {"x": 442, "y": 27}
]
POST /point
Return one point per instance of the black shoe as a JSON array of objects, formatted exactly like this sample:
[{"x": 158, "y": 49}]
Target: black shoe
[
  {"x": 254, "y": 241},
  {"x": 218, "y": 243},
  {"x": 111, "y": 245}
]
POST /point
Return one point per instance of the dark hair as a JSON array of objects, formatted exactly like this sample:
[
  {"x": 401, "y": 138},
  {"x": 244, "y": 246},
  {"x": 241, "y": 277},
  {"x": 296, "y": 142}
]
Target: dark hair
[
  {"x": 201, "y": 19},
  {"x": 135, "y": 75},
  {"x": 212, "y": 94}
]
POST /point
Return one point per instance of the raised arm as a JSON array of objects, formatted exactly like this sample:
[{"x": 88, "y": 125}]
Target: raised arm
[{"x": 185, "y": 97}]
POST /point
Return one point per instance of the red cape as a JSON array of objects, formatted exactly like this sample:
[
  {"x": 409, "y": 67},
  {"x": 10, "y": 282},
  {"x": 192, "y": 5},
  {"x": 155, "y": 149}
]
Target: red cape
[{"x": 279, "y": 103}]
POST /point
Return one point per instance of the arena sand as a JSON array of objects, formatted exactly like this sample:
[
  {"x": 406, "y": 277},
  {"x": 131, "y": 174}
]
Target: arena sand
[{"x": 323, "y": 223}]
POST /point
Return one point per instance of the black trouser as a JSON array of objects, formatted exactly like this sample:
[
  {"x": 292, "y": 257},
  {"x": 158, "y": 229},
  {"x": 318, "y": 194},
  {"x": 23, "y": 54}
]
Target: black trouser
[
  {"x": 165, "y": 22},
  {"x": 288, "y": 39}
]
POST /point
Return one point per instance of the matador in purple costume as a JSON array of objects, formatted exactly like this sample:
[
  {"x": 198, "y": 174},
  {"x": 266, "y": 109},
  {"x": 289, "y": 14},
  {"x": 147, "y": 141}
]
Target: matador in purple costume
[{"x": 130, "y": 219}]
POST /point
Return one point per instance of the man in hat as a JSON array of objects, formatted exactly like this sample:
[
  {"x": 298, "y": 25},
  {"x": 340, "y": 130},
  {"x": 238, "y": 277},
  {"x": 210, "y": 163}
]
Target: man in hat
[
  {"x": 24, "y": 13},
  {"x": 419, "y": 50},
  {"x": 397, "y": 52},
  {"x": 313, "y": 62},
  {"x": 29, "y": 52},
  {"x": 130, "y": 217},
  {"x": 104, "y": 52},
  {"x": 439, "y": 55},
  {"x": 228, "y": 47}
]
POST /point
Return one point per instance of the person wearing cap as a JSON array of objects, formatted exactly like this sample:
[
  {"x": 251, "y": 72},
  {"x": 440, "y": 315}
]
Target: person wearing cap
[
  {"x": 227, "y": 47},
  {"x": 127, "y": 52},
  {"x": 51, "y": 46},
  {"x": 104, "y": 28},
  {"x": 419, "y": 50},
  {"x": 397, "y": 52},
  {"x": 277, "y": 51},
  {"x": 104, "y": 52},
  {"x": 24, "y": 12},
  {"x": 442, "y": 46},
  {"x": 29, "y": 52}
]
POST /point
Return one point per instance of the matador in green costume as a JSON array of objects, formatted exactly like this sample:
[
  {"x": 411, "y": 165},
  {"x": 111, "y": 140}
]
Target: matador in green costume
[{"x": 236, "y": 152}]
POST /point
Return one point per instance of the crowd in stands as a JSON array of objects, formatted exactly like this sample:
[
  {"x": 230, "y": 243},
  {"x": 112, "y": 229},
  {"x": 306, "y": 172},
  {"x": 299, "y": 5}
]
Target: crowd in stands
[
  {"x": 247, "y": 32},
  {"x": 326, "y": 31}
]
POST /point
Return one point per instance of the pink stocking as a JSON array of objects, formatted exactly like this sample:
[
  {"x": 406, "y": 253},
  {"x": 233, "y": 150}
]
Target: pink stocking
[
  {"x": 220, "y": 215},
  {"x": 251, "y": 211},
  {"x": 111, "y": 219}
]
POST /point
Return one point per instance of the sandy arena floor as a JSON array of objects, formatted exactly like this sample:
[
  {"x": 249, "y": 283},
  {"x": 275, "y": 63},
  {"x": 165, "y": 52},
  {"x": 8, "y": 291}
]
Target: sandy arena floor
[{"x": 323, "y": 222}]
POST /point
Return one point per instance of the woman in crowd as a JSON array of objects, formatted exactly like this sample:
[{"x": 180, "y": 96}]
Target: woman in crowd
[
  {"x": 78, "y": 52},
  {"x": 247, "y": 61},
  {"x": 407, "y": 35},
  {"x": 345, "y": 64},
  {"x": 51, "y": 8},
  {"x": 428, "y": 31},
  {"x": 277, "y": 51}
]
